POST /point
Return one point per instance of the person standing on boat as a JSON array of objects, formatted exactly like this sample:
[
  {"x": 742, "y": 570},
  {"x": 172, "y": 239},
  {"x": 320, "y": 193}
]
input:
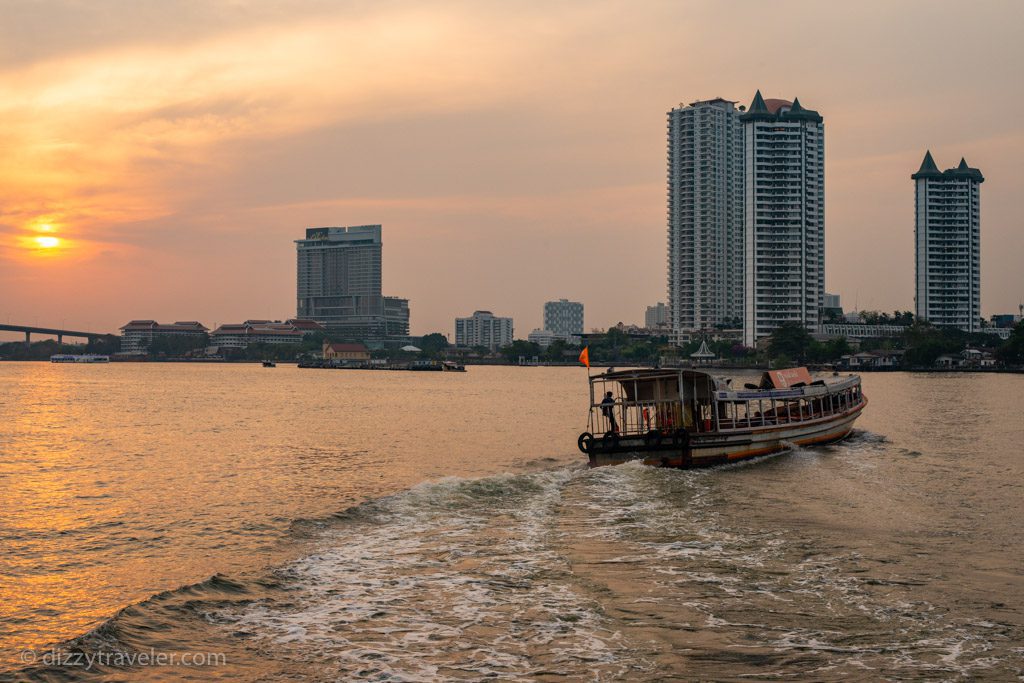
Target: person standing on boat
[{"x": 608, "y": 410}]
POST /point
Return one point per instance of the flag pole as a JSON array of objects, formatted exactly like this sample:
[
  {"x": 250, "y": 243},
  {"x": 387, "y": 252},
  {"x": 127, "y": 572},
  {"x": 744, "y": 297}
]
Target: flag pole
[{"x": 585, "y": 359}]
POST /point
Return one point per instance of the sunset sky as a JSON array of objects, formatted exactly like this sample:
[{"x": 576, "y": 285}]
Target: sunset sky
[{"x": 158, "y": 158}]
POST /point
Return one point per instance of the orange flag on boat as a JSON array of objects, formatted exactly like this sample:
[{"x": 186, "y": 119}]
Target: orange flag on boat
[{"x": 585, "y": 356}]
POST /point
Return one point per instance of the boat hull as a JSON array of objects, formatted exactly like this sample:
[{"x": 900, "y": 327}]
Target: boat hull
[{"x": 717, "y": 448}]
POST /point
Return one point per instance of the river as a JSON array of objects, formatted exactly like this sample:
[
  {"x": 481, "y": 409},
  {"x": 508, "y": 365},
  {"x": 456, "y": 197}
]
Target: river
[{"x": 289, "y": 524}]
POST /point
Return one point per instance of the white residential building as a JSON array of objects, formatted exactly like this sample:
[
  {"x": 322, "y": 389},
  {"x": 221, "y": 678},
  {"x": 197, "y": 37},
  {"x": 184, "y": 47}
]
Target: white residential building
[
  {"x": 241, "y": 335},
  {"x": 656, "y": 316},
  {"x": 483, "y": 328},
  {"x": 947, "y": 239},
  {"x": 705, "y": 215},
  {"x": 542, "y": 338},
  {"x": 138, "y": 335},
  {"x": 564, "y": 319},
  {"x": 784, "y": 217}
]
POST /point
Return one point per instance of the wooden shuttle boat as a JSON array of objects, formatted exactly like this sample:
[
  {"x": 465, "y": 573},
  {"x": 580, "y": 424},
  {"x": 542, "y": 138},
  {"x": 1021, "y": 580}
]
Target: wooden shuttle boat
[{"x": 689, "y": 418}]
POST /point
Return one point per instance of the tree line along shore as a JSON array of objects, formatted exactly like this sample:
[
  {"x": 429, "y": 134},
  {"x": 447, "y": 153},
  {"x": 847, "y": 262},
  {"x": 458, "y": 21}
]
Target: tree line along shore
[{"x": 922, "y": 346}]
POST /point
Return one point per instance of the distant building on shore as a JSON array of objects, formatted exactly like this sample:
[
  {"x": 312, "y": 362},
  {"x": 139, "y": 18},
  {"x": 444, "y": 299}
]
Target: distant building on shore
[
  {"x": 137, "y": 336},
  {"x": 483, "y": 328},
  {"x": 564, "y": 319},
  {"x": 542, "y": 338},
  {"x": 1005, "y": 320},
  {"x": 705, "y": 215},
  {"x": 241, "y": 335},
  {"x": 339, "y": 284},
  {"x": 947, "y": 239},
  {"x": 784, "y": 217},
  {"x": 860, "y": 331},
  {"x": 656, "y": 316},
  {"x": 351, "y": 351},
  {"x": 831, "y": 301}
]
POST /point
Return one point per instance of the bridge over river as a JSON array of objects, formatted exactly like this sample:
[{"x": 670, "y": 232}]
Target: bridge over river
[{"x": 29, "y": 330}]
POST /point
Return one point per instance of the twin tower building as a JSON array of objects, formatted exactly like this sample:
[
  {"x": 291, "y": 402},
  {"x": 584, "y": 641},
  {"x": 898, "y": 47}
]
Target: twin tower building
[
  {"x": 746, "y": 211},
  {"x": 746, "y": 222}
]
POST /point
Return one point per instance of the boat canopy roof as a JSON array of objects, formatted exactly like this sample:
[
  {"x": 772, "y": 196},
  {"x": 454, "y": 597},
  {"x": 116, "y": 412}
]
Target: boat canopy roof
[
  {"x": 650, "y": 374},
  {"x": 778, "y": 384},
  {"x": 643, "y": 376}
]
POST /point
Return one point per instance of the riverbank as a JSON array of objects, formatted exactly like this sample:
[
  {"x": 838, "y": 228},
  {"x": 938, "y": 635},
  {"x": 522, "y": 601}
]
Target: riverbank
[{"x": 594, "y": 365}]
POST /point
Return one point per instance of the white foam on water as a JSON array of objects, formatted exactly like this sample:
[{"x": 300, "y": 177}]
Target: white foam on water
[
  {"x": 452, "y": 578},
  {"x": 674, "y": 530}
]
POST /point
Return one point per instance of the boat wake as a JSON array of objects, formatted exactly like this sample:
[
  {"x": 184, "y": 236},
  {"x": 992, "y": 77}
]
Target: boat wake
[{"x": 457, "y": 578}]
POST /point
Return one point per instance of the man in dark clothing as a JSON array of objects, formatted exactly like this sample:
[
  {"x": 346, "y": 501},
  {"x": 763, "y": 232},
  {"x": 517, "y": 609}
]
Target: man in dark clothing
[{"x": 608, "y": 410}]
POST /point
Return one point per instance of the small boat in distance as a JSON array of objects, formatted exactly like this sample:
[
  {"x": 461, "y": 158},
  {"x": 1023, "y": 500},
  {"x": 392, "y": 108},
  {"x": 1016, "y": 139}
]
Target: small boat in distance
[
  {"x": 269, "y": 364},
  {"x": 79, "y": 358},
  {"x": 689, "y": 418}
]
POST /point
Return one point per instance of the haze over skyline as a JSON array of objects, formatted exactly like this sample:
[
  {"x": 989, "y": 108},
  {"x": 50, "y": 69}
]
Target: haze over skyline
[{"x": 177, "y": 149}]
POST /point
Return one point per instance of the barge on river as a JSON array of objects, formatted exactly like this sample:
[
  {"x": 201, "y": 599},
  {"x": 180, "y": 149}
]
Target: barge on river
[{"x": 690, "y": 418}]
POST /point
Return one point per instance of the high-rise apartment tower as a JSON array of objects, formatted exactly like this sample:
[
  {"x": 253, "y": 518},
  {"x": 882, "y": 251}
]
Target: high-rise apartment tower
[
  {"x": 784, "y": 216},
  {"x": 947, "y": 240},
  {"x": 705, "y": 215}
]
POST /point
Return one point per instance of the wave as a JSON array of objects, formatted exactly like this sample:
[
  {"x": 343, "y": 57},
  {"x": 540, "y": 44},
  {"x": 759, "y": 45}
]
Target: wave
[
  {"x": 165, "y": 622},
  {"x": 452, "y": 578}
]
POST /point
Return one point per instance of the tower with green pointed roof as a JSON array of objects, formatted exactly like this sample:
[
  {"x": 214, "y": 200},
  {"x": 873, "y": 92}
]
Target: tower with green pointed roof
[
  {"x": 947, "y": 240},
  {"x": 784, "y": 216}
]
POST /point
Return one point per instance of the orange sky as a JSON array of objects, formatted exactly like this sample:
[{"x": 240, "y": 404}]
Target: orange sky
[{"x": 514, "y": 153}]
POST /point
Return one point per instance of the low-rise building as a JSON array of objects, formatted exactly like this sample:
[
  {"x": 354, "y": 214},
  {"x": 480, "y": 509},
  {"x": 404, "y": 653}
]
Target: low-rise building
[
  {"x": 336, "y": 351},
  {"x": 1003, "y": 333},
  {"x": 138, "y": 335},
  {"x": 948, "y": 360},
  {"x": 542, "y": 338},
  {"x": 873, "y": 360},
  {"x": 978, "y": 358},
  {"x": 241, "y": 335},
  {"x": 858, "y": 331},
  {"x": 968, "y": 358}
]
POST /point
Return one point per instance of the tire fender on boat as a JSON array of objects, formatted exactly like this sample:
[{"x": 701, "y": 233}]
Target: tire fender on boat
[
  {"x": 585, "y": 442},
  {"x": 652, "y": 438}
]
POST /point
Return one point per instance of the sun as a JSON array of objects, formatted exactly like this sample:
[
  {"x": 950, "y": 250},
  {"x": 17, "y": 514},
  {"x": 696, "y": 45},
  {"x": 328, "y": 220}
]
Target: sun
[{"x": 47, "y": 241}]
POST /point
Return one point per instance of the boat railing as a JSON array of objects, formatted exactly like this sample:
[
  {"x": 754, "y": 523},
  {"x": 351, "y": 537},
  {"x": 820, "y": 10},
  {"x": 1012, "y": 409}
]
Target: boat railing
[
  {"x": 635, "y": 418},
  {"x": 721, "y": 411},
  {"x": 771, "y": 412}
]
